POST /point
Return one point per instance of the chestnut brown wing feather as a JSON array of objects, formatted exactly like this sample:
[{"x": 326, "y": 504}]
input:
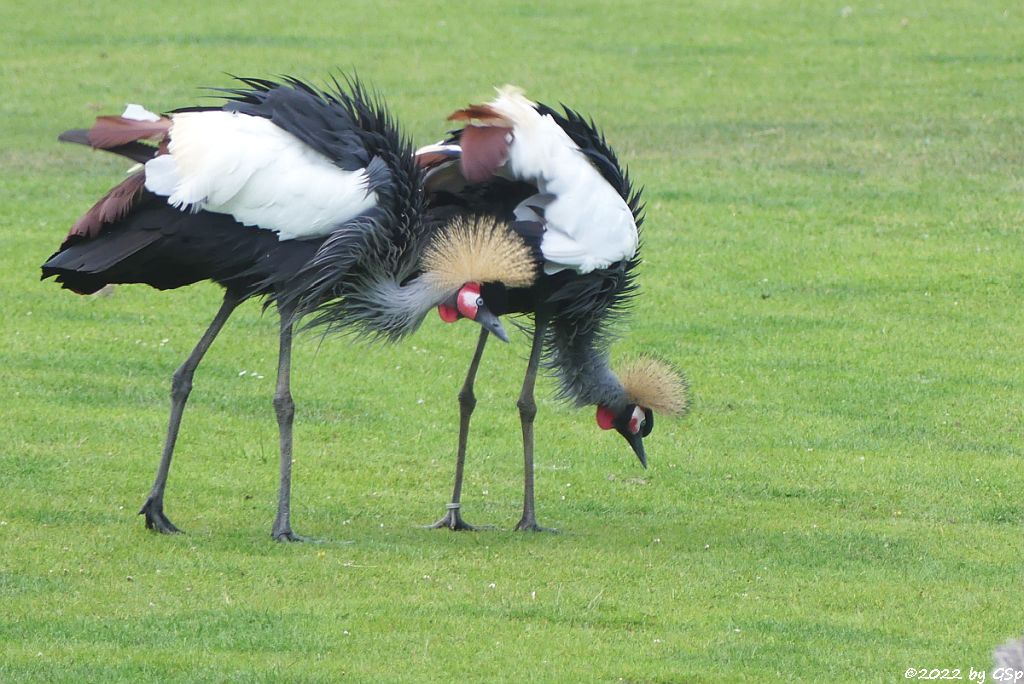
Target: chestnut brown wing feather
[
  {"x": 110, "y": 208},
  {"x": 111, "y": 131},
  {"x": 484, "y": 150}
]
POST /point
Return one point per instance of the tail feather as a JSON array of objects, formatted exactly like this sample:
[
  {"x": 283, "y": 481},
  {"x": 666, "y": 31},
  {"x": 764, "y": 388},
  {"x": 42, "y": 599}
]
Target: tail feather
[
  {"x": 84, "y": 267},
  {"x": 160, "y": 246}
]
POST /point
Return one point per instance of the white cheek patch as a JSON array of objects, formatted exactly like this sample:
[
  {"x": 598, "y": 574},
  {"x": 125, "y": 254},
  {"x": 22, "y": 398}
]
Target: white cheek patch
[
  {"x": 469, "y": 303},
  {"x": 636, "y": 421}
]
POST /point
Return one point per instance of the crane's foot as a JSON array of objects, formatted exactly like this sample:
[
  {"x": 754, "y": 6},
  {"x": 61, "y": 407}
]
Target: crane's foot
[
  {"x": 453, "y": 521},
  {"x": 153, "y": 509},
  {"x": 529, "y": 524},
  {"x": 286, "y": 535},
  {"x": 282, "y": 530}
]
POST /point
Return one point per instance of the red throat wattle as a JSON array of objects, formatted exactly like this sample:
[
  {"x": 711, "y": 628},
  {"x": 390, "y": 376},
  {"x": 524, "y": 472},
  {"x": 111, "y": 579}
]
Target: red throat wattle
[
  {"x": 449, "y": 314},
  {"x": 605, "y": 418}
]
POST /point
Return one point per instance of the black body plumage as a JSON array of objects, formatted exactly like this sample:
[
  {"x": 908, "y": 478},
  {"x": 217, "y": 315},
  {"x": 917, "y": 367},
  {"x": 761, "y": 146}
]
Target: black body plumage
[
  {"x": 383, "y": 245},
  {"x": 166, "y": 248},
  {"x": 349, "y": 130}
]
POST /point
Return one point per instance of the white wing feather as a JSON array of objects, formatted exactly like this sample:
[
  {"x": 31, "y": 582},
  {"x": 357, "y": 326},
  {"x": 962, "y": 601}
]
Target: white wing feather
[
  {"x": 161, "y": 174},
  {"x": 263, "y": 176},
  {"x": 139, "y": 113},
  {"x": 588, "y": 224}
]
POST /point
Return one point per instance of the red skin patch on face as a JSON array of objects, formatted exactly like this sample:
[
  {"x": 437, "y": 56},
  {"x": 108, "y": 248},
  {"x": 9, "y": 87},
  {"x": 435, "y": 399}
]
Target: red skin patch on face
[{"x": 605, "y": 418}]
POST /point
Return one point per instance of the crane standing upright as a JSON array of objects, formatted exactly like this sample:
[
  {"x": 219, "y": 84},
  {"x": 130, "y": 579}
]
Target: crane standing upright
[
  {"x": 288, "y": 192},
  {"x": 554, "y": 178}
]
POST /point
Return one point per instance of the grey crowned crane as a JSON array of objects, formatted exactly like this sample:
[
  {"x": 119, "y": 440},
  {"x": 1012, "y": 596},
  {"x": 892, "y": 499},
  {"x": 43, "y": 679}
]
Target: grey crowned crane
[
  {"x": 280, "y": 193},
  {"x": 554, "y": 178}
]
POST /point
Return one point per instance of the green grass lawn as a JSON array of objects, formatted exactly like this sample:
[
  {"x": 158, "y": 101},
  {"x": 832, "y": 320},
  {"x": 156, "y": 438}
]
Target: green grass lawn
[{"x": 833, "y": 252}]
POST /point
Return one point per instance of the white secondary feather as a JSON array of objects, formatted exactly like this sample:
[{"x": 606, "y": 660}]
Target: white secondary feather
[
  {"x": 588, "y": 224},
  {"x": 162, "y": 175},
  {"x": 439, "y": 148},
  {"x": 263, "y": 176},
  {"x": 139, "y": 113}
]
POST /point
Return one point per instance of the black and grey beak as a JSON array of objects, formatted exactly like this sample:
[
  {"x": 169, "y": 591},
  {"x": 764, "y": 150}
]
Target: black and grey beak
[
  {"x": 490, "y": 322},
  {"x": 637, "y": 442}
]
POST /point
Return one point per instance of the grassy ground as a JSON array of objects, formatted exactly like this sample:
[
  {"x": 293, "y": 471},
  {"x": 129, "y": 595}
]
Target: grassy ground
[{"x": 833, "y": 252}]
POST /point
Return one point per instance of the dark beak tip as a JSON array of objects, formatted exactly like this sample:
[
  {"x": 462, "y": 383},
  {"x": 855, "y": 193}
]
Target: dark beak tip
[
  {"x": 638, "y": 449},
  {"x": 492, "y": 324}
]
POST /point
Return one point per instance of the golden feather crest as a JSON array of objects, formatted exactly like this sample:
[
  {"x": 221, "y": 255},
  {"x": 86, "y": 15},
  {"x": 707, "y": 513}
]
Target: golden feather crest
[
  {"x": 478, "y": 250},
  {"x": 654, "y": 384}
]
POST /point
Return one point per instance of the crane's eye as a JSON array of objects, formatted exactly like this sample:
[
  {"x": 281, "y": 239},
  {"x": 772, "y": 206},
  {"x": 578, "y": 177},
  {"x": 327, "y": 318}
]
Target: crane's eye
[
  {"x": 648, "y": 424},
  {"x": 637, "y": 421}
]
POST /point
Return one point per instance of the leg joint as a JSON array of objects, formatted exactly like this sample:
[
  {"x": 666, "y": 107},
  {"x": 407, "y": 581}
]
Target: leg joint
[
  {"x": 527, "y": 408},
  {"x": 284, "y": 405},
  {"x": 467, "y": 400},
  {"x": 181, "y": 383}
]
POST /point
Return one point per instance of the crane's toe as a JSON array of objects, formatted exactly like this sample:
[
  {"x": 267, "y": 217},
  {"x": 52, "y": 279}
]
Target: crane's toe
[
  {"x": 153, "y": 509},
  {"x": 453, "y": 521},
  {"x": 286, "y": 536},
  {"x": 530, "y": 525}
]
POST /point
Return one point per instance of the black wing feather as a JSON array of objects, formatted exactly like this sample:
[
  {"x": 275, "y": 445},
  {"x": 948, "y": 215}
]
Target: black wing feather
[{"x": 165, "y": 248}]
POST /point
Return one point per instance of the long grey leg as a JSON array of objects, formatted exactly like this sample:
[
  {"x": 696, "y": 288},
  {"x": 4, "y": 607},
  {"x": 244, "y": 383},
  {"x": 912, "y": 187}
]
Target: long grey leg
[
  {"x": 285, "y": 409},
  {"x": 181, "y": 385},
  {"x": 527, "y": 412},
  {"x": 467, "y": 402}
]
